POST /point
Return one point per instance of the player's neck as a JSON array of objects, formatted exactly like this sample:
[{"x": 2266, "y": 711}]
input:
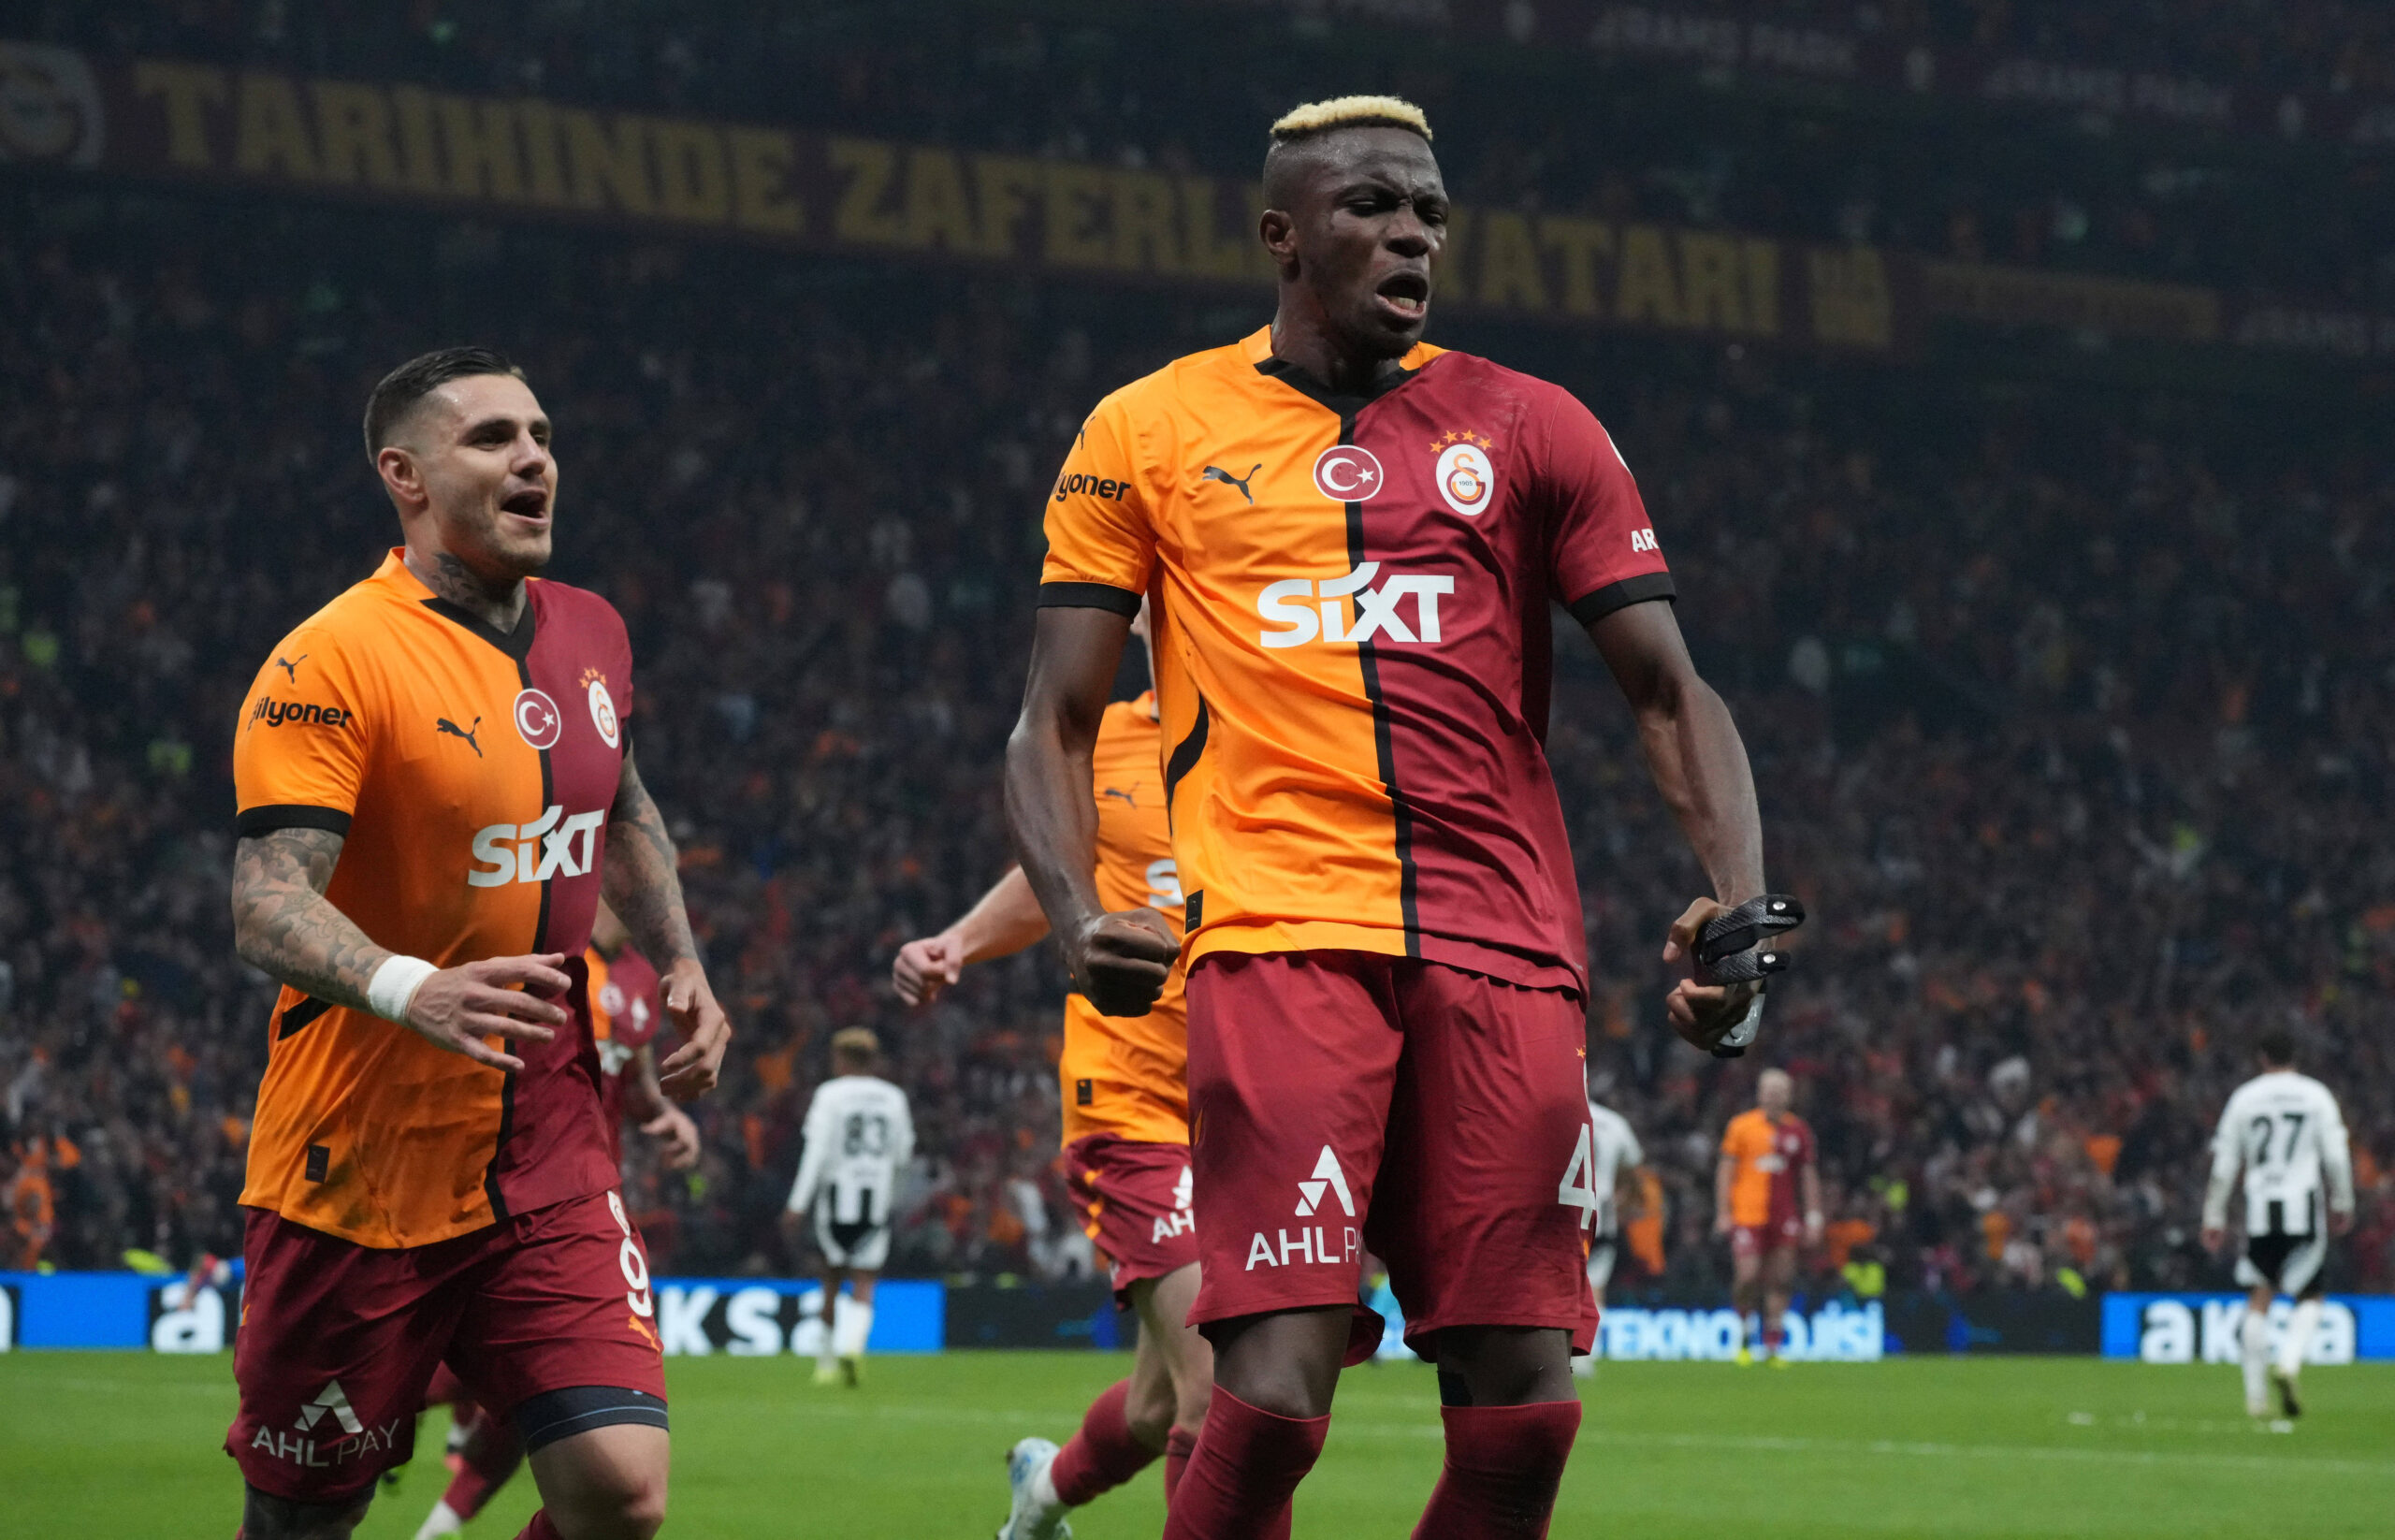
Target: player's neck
[
  {"x": 498, "y": 604},
  {"x": 1301, "y": 338}
]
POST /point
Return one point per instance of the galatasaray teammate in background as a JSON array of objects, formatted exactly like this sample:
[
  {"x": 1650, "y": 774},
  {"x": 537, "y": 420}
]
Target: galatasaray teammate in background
[
  {"x": 436, "y": 784},
  {"x": 1351, "y": 541},
  {"x": 1123, "y": 1082},
  {"x": 1767, "y": 1199}
]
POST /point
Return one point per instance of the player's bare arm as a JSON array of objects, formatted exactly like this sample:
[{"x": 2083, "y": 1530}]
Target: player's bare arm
[
  {"x": 1000, "y": 923},
  {"x": 659, "y": 1118},
  {"x": 1700, "y": 767},
  {"x": 285, "y": 925},
  {"x": 1119, "y": 960},
  {"x": 1810, "y": 1183},
  {"x": 641, "y": 883},
  {"x": 1724, "y": 1170}
]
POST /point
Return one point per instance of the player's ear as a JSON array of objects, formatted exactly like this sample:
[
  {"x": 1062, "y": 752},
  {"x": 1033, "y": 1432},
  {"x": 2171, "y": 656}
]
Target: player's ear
[
  {"x": 1278, "y": 229},
  {"x": 400, "y": 476}
]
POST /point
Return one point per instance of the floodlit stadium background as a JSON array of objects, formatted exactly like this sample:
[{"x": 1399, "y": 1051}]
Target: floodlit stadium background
[{"x": 2009, "y": 382}]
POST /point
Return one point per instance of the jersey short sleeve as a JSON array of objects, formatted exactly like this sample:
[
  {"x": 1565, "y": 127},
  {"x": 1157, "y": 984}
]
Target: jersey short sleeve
[
  {"x": 1601, "y": 550},
  {"x": 300, "y": 751},
  {"x": 1101, "y": 538}
]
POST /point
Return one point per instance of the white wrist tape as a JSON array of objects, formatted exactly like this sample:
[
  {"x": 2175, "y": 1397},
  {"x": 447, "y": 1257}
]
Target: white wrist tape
[{"x": 394, "y": 985}]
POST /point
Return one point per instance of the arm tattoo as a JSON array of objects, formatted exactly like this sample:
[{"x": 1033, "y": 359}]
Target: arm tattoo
[
  {"x": 640, "y": 879},
  {"x": 283, "y": 924}
]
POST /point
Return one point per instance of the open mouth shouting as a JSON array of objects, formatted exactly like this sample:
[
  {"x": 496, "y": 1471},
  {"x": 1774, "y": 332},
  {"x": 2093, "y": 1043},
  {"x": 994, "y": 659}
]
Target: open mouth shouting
[{"x": 1405, "y": 297}]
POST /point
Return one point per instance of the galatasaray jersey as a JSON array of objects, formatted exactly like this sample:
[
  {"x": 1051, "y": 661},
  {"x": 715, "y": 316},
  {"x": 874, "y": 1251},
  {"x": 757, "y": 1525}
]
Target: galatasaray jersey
[
  {"x": 1765, "y": 1157},
  {"x": 1351, "y": 636},
  {"x": 470, "y": 774},
  {"x": 627, "y": 1002},
  {"x": 1128, "y": 1075}
]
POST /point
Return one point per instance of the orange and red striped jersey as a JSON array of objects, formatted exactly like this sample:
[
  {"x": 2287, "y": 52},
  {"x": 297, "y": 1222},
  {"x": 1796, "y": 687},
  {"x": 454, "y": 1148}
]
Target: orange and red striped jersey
[
  {"x": 470, "y": 774},
  {"x": 1766, "y": 1157},
  {"x": 1128, "y": 1075},
  {"x": 1351, "y": 632}
]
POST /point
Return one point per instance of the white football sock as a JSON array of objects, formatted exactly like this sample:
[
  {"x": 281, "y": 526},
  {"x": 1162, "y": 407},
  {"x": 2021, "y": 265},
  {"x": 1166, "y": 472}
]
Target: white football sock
[
  {"x": 2300, "y": 1326},
  {"x": 836, "y": 1307},
  {"x": 2254, "y": 1337},
  {"x": 855, "y": 1326},
  {"x": 443, "y": 1521}
]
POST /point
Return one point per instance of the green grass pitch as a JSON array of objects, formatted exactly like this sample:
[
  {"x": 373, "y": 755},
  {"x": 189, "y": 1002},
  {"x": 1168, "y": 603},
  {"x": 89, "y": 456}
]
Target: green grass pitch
[{"x": 125, "y": 1445}]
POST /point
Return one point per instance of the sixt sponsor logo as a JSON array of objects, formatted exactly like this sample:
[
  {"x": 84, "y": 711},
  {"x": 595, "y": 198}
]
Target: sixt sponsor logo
[
  {"x": 1376, "y": 609},
  {"x": 552, "y": 845},
  {"x": 1097, "y": 487},
  {"x": 299, "y": 713}
]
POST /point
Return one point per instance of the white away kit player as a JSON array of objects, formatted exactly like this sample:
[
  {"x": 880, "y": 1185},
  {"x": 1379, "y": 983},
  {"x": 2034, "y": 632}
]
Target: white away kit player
[
  {"x": 2283, "y": 1130},
  {"x": 859, "y": 1137},
  {"x": 1614, "y": 1153}
]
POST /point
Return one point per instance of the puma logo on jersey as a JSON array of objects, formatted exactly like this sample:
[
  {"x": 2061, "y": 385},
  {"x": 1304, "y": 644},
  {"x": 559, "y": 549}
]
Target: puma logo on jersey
[
  {"x": 538, "y": 850},
  {"x": 291, "y": 666},
  {"x": 1215, "y": 473},
  {"x": 1376, "y": 609},
  {"x": 442, "y": 724},
  {"x": 1128, "y": 800}
]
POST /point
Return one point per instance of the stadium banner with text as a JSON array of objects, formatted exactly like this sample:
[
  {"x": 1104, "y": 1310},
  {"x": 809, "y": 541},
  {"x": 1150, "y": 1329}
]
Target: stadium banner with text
[
  {"x": 1815, "y": 51},
  {"x": 694, "y": 1316},
  {"x": 395, "y": 143},
  {"x": 2205, "y": 1327}
]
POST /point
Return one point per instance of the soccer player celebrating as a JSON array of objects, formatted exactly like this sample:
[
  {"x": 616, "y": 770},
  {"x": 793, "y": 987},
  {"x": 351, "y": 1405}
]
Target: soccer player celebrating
[
  {"x": 2285, "y": 1131},
  {"x": 1351, "y": 541},
  {"x": 1125, "y": 1136},
  {"x": 1767, "y": 1199},
  {"x": 626, "y": 1007},
  {"x": 428, "y": 776},
  {"x": 859, "y": 1136}
]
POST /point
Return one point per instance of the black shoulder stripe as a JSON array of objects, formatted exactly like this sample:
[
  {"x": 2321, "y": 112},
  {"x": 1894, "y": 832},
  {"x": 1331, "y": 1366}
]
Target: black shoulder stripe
[
  {"x": 300, "y": 1015},
  {"x": 253, "y": 822},
  {"x": 1185, "y": 752},
  {"x": 1088, "y": 596},
  {"x": 1597, "y": 603}
]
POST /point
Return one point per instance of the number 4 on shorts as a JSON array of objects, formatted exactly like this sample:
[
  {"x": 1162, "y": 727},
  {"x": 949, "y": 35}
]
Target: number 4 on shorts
[{"x": 1577, "y": 1189}]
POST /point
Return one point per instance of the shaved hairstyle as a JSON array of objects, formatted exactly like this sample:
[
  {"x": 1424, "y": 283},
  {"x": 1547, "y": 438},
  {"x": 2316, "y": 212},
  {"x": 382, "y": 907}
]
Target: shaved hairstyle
[
  {"x": 396, "y": 394},
  {"x": 1299, "y": 132}
]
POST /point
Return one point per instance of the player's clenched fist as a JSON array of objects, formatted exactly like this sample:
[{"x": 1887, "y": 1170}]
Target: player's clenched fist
[
  {"x": 690, "y": 1071},
  {"x": 1701, "y": 1013},
  {"x": 1120, "y": 961},
  {"x": 926, "y": 967},
  {"x": 457, "y": 1008}
]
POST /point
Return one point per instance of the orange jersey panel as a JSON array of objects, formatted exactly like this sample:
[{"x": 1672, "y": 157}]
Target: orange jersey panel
[
  {"x": 470, "y": 776},
  {"x": 1127, "y": 1075},
  {"x": 1766, "y": 1157},
  {"x": 1350, "y": 611}
]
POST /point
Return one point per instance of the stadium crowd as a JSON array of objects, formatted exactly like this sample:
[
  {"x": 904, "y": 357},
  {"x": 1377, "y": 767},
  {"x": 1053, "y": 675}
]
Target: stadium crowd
[
  {"x": 2076, "y": 741},
  {"x": 1530, "y": 127}
]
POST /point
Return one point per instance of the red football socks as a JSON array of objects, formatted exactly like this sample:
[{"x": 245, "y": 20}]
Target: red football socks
[
  {"x": 1177, "y": 1444},
  {"x": 1103, "y": 1454},
  {"x": 1504, "y": 1465},
  {"x": 1241, "y": 1475}
]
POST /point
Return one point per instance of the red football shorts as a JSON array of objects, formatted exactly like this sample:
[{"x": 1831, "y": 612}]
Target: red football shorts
[
  {"x": 1342, "y": 1101},
  {"x": 1134, "y": 1198},
  {"x": 339, "y": 1342},
  {"x": 1756, "y": 1240}
]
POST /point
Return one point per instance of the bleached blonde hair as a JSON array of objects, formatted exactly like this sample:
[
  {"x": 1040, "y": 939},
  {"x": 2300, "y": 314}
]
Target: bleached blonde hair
[{"x": 1350, "y": 112}]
